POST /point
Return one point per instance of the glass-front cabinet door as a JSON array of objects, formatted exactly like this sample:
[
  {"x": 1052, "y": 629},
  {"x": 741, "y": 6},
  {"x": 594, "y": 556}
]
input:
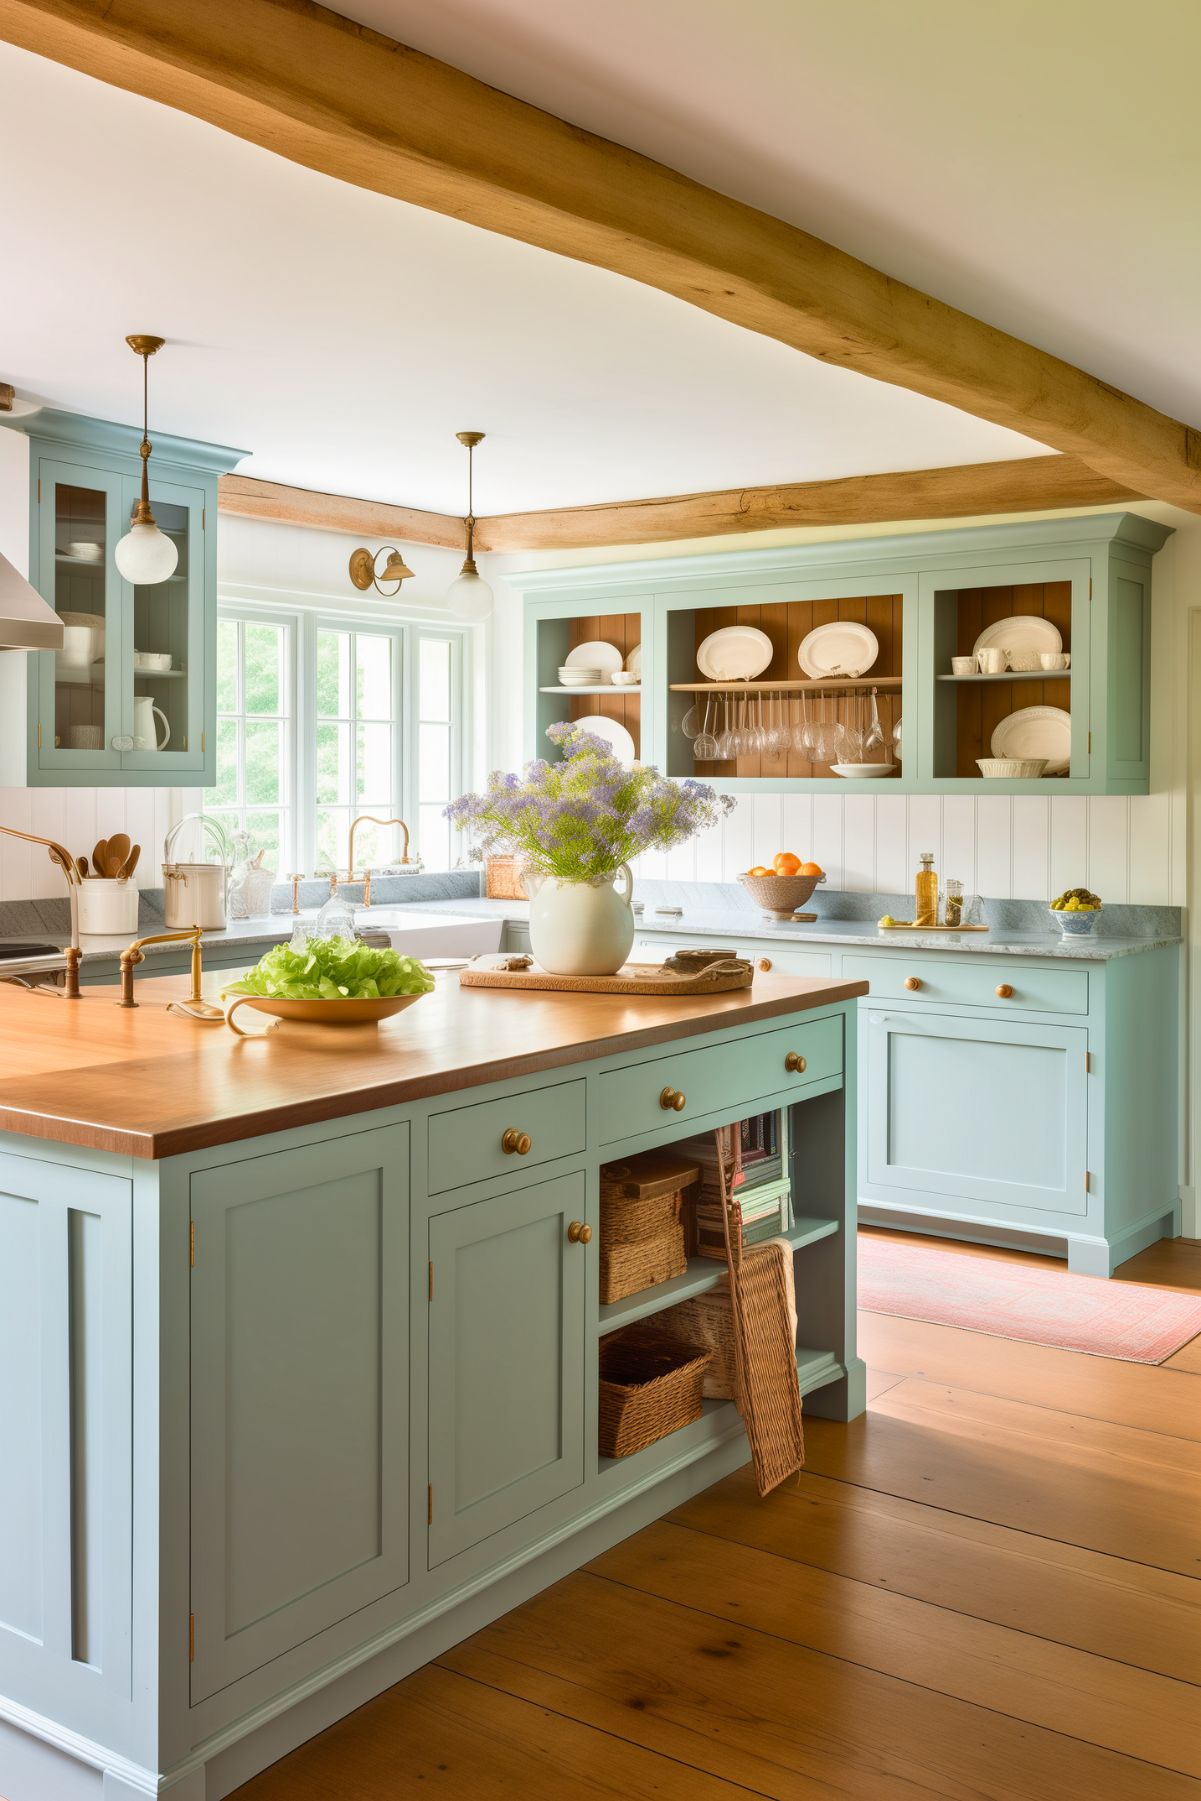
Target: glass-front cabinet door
[{"x": 127, "y": 690}]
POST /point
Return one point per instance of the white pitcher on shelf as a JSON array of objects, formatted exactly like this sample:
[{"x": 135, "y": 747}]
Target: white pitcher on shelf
[{"x": 145, "y": 732}]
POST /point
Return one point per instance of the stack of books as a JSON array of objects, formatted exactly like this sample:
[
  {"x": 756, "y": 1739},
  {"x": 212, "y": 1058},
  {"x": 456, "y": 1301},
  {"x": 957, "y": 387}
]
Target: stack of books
[{"x": 754, "y": 1162}]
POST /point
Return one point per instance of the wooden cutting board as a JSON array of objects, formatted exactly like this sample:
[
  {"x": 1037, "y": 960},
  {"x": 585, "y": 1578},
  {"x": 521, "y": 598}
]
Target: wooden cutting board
[
  {"x": 907, "y": 925},
  {"x": 633, "y": 979}
]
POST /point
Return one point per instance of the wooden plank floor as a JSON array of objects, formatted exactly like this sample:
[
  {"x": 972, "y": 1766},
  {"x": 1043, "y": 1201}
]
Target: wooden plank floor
[{"x": 985, "y": 1590}]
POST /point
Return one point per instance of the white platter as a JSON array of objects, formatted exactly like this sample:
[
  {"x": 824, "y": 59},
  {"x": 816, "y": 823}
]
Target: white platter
[
  {"x": 613, "y": 731},
  {"x": 1036, "y": 732},
  {"x": 842, "y": 648},
  {"x": 595, "y": 655},
  {"x": 634, "y": 661},
  {"x": 863, "y": 771},
  {"x": 736, "y": 653},
  {"x": 1021, "y": 631}
]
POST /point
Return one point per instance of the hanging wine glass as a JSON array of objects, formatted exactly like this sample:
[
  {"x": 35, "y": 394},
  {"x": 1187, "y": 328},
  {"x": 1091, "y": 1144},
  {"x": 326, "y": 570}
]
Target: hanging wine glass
[
  {"x": 726, "y": 739},
  {"x": 690, "y": 725},
  {"x": 873, "y": 744},
  {"x": 704, "y": 745},
  {"x": 896, "y": 740}
]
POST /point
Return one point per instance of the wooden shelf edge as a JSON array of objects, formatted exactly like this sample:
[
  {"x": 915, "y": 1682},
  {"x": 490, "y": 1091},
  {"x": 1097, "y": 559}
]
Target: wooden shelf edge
[
  {"x": 786, "y": 687},
  {"x": 1013, "y": 675},
  {"x": 703, "y": 1274}
]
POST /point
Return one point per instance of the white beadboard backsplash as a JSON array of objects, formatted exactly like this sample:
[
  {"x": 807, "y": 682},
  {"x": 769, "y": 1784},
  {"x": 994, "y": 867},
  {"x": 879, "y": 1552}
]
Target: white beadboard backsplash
[
  {"x": 77, "y": 817},
  {"x": 1016, "y": 848}
]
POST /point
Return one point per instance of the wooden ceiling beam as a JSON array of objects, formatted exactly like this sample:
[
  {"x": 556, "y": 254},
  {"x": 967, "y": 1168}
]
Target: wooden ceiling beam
[
  {"x": 246, "y": 497},
  {"x": 309, "y": 85},
  {"x": 1029, "y": 484}
]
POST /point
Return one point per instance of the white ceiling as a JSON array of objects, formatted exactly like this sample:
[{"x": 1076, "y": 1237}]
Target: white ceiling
[
  {"x": 343, "y": 337},
  {"x": 1035, "y": 162}
]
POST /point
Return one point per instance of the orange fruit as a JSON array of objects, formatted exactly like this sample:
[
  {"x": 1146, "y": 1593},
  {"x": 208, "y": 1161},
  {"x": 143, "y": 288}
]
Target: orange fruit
[
  {"x": 759, "y": 869},
  {"x": 786, "y": 863},
  {"x": 813, "y": 869}
]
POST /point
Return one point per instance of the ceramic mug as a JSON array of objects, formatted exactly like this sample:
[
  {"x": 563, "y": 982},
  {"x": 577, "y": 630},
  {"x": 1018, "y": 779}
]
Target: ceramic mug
[
  {"x": 992, "y": 662},
  {"x": 1056, "y": 659},
  {"x": 963, "y": 665},
  {"x": 145, "y": 731},
  {"x": 85, "y": 737}
]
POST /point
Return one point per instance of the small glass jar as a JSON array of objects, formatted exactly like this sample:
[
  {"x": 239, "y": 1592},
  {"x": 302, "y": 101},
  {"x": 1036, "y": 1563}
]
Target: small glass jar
[{"x": 952, "y": 903}]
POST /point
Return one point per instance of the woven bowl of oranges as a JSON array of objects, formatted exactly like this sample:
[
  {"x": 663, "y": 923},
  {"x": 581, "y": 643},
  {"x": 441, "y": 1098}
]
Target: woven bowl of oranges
[{"x": 787, "y": 885}]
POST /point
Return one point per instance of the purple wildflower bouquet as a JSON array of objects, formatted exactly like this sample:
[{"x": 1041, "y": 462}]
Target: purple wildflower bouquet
[{"x": 580, "y": 819}]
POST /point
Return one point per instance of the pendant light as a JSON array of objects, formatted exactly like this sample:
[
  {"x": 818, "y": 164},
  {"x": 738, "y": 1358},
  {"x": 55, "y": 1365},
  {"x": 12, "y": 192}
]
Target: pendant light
[
  {"x": 145, "y": 555},
  {"x": 469, "y": 597}
]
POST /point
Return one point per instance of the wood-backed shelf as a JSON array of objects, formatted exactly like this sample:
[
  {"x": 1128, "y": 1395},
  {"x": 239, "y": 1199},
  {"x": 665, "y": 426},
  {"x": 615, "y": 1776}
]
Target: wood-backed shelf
[
  {"x": 1014, "y": 675},
  {"x": 862, "y": 683},
  {"x": 596, "y": 688},
  {"x": 702, "y": 1274}
]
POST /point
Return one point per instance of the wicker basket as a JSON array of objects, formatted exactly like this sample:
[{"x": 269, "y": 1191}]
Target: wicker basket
[
  {"x": 502, "y": 879},
  {"x": 650, "y": 1385},
  {"x": 708, "y": 1319},
  {"x": 641, "y": 1229}
]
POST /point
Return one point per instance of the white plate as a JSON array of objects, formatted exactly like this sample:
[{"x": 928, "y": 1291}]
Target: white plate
[
  {"x": 613, "y": 731},
  {"x": 842, "y": 648},
  {"x": 863, "y": 771},
  {"x": 736, "y": 653},
  {"x": 595, "y": 655},
  {"x": 1021, "y": 631},
  {"x": 634, "y": 661},
  {"x": 1036, "y": 732}
]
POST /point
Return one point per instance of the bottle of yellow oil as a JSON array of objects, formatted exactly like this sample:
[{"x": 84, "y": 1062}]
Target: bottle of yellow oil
[{"x": 925, "y": 893}]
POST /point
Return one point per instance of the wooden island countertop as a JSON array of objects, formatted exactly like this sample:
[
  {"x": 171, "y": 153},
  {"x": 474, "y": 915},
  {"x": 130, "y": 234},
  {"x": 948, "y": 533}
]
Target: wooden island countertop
[{"x": 148, "y": 1083}]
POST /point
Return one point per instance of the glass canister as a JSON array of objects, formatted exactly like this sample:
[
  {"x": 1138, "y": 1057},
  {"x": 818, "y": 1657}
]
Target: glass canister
[{"x": 952, "y": 903}]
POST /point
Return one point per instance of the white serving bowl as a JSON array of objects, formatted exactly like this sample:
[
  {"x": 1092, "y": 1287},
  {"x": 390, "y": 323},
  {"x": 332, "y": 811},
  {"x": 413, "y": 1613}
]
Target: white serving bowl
[
  {"x": 626, "y": 678},
  {"x": 155, "y": 661},
  {"x": 863, "y": 772},
  {"x": 1021, "y": 769}
]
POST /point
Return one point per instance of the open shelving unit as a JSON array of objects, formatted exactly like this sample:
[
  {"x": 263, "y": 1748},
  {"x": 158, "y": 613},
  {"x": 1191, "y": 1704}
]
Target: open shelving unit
[{"x": 703, "y": 1274}]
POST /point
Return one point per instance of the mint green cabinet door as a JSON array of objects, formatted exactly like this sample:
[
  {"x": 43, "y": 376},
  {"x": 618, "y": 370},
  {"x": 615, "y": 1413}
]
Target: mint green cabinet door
[
  {"x": 984, "y": 1115},
  {"x": 76, "y": 714},
  {"x": 299, "y": 1335},
  {"x": 506, "y": 1348}
]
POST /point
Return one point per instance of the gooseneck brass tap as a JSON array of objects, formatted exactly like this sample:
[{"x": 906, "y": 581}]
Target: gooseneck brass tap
[
  {"x": 370, "y": 819},
  {"x": 196, "y": 1007},
  {"x": 63, "y": 860}
]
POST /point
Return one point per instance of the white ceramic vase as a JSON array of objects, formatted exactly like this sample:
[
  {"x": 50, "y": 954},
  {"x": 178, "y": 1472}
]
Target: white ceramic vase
[{"x": 582, "y": 928}]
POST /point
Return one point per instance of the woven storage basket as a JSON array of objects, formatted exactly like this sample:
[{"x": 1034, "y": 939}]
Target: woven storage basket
[
  {"x": 502, "y": 879},
  {"x": 708, "y": 1319},
  {"x": 641, "y": 1234},
  {"x": 649, "y": 1385}
]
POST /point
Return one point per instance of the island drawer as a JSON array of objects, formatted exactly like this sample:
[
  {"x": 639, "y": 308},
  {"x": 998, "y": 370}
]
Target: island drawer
[
  {"x": 469, "y": 1144},
  {"x": 1008, "y": 982},
  {"x": 689, "y": 1083}
]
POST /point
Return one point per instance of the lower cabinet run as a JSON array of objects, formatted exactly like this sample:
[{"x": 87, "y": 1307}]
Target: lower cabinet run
[{"x": 356, "y": 1416}]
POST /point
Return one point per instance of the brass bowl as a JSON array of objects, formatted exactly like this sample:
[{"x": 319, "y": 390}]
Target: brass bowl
[
  {"x": 779, "y": 895},
  {"x": 354, "y": 1012}
]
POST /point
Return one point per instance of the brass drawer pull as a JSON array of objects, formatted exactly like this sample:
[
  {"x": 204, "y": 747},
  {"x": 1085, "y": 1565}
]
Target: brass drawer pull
[
  {"x": 795, "y": 1063},
  {"x": 672, "y": 1101},
  {"x": 513, "y": 1140},
  {"x": 1004, "y": 991},
  {"x": 578, "y": 1233},
  {"x": 765, "y": 964},
  {"x": 913, "y": 982}
]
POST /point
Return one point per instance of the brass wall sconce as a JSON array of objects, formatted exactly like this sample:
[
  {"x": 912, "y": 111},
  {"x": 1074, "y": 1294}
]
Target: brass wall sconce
[{"x": 365, "y": 571}]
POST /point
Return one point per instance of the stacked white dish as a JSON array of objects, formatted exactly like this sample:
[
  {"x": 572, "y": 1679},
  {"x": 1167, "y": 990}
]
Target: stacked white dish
[
  {"x": 591, "y": 665},
  {"x": 580, "y": 677}
]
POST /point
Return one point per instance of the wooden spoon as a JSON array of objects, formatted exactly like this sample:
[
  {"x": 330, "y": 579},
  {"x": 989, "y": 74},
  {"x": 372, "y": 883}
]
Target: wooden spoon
[
  {"x": 81, "y": 863},
  {"x": 130, "y": 863},
  {"x": 118, "y": 850},
  {"x": 100, "y": 856}
]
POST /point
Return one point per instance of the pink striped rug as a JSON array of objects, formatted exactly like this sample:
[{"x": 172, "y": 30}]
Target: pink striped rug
[{"x": 1007, "y": 1299}]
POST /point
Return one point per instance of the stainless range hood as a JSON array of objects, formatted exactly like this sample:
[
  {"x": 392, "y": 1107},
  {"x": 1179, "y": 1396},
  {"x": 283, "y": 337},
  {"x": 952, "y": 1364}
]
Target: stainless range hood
[{"x": 26, "y": 622}]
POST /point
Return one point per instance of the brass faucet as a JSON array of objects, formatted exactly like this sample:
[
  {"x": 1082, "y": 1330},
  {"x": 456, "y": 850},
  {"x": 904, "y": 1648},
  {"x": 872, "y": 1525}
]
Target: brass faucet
[
  {"x": 370, "y": 819},
  {"x": 66, "y": 862},
  {"x": 196, "y": 1007}
]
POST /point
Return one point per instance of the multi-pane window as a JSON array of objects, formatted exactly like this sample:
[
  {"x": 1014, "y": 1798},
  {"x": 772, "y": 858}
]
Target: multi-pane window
[
  {"x": 357, "y": 766},
  {"x": 255, "y": 737},
  {"x": 319, "y": 721}
]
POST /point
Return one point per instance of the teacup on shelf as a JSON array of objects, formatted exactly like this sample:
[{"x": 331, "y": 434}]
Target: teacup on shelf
[
  {"x": 1055, "y": 659},
  {"x": 993, "y": 661},
  {"x": 963, "y": 665}
]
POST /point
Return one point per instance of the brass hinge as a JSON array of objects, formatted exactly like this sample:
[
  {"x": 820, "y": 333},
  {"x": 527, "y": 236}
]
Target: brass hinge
[
  {"x": 1088, "y": 1181},
  {"x": 191, "y": 1638},
  {"x": 204, "y": 519},
  {"x": 39, "y": 490},
  {"x": 202, "y": 743},
  {"x": 1088, "y": 1063},
  {"x": 431, "y": 1281},
  {"x": 191, "y": 1244},
  {"x": 39, "y": 734},
  {"x": 429, "y": 1505},
  {"x": 1090, "y": 744},
  {"x": 185, "y": 741},
  {"x": 1090, "y": 587}
]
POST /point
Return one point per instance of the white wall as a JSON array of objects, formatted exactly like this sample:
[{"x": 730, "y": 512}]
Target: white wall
[{"x": 1127, "y": 848}]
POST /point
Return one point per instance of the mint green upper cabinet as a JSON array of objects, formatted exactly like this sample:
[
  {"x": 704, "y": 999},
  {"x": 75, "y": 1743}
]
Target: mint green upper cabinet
[
  {"x": 97, "y": 714},
  {"x": 926, "y": 597}
]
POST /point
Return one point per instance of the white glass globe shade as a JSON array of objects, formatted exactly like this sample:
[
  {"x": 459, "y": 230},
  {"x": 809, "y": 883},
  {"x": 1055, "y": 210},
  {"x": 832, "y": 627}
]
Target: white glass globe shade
[
  {"x": 469, "y": 598},
  {"x": 145, "y": 555}
]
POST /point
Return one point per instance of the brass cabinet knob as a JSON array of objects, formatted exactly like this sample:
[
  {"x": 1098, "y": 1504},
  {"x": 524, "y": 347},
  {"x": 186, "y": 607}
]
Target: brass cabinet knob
[
  {"x": 672, "y": 1101},
  {"x": 579, "y": 1233},
  {"x": 795, "y": 1063},
  {"x": 765, "y": 963},
  {"x": 913, "y": 982},
  {"x": 513, "y": 1140},
  {"x": 1004, "y": 991}
]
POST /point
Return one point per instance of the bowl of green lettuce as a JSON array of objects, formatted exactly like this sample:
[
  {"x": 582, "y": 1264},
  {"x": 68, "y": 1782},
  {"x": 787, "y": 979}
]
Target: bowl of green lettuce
[{"x": 334, "y": 981}]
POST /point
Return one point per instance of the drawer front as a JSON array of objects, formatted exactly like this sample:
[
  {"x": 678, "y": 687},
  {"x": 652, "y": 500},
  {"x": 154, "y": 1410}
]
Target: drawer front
[
  {"x": 468, "y": 1144},
  {"x": 642, "y": 1097},
  {"x": 1004, "y": 982}
]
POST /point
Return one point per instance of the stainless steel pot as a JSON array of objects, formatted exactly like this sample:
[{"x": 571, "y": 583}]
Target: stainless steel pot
[{"x": 196, "y": 894}]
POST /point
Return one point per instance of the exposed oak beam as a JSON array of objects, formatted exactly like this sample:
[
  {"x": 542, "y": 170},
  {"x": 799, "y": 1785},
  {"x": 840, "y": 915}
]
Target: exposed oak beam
[
  {"x": 323, "y": 91},
  {"x": 248, "y": 498},
  {"x": 1025, "y": 485}
]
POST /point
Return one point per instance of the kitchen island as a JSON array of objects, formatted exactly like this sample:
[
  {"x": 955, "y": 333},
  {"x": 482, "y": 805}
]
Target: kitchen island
[{"x": 298, "y": 1345}]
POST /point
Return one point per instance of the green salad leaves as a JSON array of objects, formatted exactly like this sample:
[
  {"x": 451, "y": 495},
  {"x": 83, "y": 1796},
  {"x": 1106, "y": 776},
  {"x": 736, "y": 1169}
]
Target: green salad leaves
[{"x": 333, "y": 969}]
